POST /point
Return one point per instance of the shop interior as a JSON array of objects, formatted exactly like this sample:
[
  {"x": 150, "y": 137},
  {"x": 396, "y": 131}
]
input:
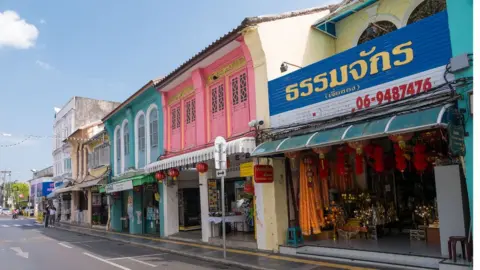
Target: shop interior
[
  {"x": 150, "y": 208},
  {"x": 376, "y": 195},
  {"x": 99, "y": 209},
  {"x": 239, "y": 210}
]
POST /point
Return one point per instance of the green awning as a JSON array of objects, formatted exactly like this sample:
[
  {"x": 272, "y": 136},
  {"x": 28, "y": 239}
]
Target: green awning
[
  {"x": 142, "y": 179},
  {"x": 327, "y": 137},
  {"x": 294, "y": 143},
  {"x": 431, "y": 118},
  {"x": 413, "y": 121},
  {"x": 101, "y": 189},
  {"x": 362, "y": 131}
]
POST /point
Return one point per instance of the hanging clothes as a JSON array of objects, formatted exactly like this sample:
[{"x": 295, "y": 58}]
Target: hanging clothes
[{"x": 310, "y": 204}]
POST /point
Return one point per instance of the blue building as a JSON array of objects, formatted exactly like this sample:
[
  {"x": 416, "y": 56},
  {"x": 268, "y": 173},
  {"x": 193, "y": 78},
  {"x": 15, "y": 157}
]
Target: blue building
[
  {"x": 460, "y": 21},
  {"x": 135, "y": 129}
]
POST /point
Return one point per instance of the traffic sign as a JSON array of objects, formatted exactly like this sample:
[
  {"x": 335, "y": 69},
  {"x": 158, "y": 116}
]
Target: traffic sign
[
  {"x": 221, "y": 173},
  {"x": 220, "y": 153}
]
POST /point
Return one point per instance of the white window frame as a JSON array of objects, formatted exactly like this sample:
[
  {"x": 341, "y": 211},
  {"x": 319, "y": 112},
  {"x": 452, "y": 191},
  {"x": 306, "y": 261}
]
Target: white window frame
[
  {"x": 122, "y": 145},
  {"x": 149, "y": 147},
  {"x": 116, "y": 150},
  {"x": 137, "y": 143}
]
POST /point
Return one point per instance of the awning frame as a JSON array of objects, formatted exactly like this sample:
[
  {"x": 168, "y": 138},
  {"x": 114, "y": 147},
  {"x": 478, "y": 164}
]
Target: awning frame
[
  {"x": 239, "y": 146},
  {"x": 386, "y": 132}
]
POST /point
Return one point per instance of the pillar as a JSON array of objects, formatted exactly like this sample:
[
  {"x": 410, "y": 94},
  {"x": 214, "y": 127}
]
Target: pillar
[
  {"x": 271, "y": 210},
  {"x": 203, "y": 185},
  {"x": 161, "y": 210},
  {"x": 116, "y": 214},
  {"x": 136, "y": 220},
  {"x": 88, "y": 213},
  {"x": 170, "y": 209},
  {"x": 131, "y": 142}
]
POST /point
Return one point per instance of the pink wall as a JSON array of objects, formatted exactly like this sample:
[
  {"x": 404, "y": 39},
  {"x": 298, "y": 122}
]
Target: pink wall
[{"x": 223, "y": 104}]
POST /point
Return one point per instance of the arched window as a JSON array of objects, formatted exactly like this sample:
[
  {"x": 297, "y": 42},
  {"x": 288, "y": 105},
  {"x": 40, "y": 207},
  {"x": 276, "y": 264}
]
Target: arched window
[
  {"x": 141, "y": 133},
  {"x": 126, "y": 140},
  {"x": 426, "y": 9},
  {"x": 118, "y": 152},
  {"x": 375, "y": 30},
  {"x": 153, "y": 128}
]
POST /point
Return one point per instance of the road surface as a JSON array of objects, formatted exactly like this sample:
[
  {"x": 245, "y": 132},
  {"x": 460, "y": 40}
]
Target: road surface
[{"x": 25, "y": 245}]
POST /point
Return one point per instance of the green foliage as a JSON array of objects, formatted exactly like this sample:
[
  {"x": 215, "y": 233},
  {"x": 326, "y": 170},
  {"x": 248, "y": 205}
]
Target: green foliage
[{"x": 19, "y": 192}]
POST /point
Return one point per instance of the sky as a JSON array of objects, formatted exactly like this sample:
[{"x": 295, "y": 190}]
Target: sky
[{"x": 52, "y": 50}]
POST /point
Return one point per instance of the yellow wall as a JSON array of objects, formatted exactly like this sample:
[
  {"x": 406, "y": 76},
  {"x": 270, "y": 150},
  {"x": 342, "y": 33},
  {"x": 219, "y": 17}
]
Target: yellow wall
[{"x": 349, "y": 29}]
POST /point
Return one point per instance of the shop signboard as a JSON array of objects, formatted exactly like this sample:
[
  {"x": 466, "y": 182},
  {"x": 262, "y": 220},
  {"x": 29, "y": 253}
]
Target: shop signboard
[
  {"x": 246, "y": 169},
  {"x": 403, "y": 63},
  {"x": 456, "y": 139},
  {"x": 263, "y": 174},
  {"x": 119, "y": 186}
]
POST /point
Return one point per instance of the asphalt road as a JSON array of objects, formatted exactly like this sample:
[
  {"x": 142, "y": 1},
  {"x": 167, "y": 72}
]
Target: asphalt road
[{"x": 25, "y": 245}]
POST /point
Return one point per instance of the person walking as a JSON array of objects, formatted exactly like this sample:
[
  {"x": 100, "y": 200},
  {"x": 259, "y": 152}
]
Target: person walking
[
  {"x": 52, "y": 216},
  {"x": 46, "y": 215}
]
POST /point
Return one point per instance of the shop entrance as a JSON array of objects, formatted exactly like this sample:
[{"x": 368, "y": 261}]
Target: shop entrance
[
  {"x": 239, "y": 211},
  {"x": 150, "y": 210},
  {"x": 378, "y": 195}
]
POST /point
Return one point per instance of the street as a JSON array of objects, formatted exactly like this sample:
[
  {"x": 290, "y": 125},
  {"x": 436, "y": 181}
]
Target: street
[{"x": 25, "y": 245}]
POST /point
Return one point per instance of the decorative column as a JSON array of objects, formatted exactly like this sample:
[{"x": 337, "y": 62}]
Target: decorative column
[
  {"x": 170, "y": 209},
  {"x": 136, "y": 220},
  {"x": 203, "y": 185},
  {"x": 116, "y": 214},
  {"x": 271, "y": 210},
  {"x": 131, "y": 142},
  {"x": 161, "y": 209},
  {"x": 200, "y": 107}
]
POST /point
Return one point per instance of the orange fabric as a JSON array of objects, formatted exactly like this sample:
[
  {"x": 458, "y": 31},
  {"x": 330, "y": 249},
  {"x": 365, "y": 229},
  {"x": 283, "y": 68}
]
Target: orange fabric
[{"x": 309, "y": 214}]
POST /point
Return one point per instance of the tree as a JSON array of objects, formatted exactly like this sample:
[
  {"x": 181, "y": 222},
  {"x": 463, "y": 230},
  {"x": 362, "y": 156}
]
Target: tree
[{"x": 19, "y": 192}]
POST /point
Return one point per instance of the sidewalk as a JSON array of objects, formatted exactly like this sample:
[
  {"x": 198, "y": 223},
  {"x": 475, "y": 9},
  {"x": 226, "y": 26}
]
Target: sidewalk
[{"x": 235, "y": 257}]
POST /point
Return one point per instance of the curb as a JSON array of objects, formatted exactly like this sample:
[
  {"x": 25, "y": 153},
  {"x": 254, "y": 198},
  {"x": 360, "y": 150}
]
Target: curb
[{"x": 203, "y": 258}]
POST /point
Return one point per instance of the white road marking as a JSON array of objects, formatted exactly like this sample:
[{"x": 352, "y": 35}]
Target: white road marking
[
  {"x": 16, "y": 225},
  {"x": 29, "y": 225},
  {"x": 38, "y": 224},
  {"x": 20, "y": 252},
  {"x": 5, "y": 226},
  {"x": 64, "y": 245},
  {"x": 149, "y": 264},
  {"x": 105, "y": 261},
  {"x": 90, "y": 241}
]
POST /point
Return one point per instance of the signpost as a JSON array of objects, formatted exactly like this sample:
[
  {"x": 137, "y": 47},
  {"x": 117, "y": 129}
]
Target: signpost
[{"x": 221, "y": 167}]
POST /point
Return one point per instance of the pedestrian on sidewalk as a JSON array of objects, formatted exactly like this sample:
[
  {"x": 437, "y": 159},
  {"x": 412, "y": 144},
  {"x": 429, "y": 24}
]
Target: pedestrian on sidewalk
[
  {"x": 52, "y": 216},
  {"x": 46, "y": 214}
]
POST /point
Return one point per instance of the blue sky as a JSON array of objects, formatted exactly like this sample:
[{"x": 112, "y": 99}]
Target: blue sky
[{"x": 100, "y": 49}]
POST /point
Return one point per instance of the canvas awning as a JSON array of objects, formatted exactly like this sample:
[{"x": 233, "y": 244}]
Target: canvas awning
[
  {"x": 238, "y": 146},
  {"x": 399, "y": 123}
]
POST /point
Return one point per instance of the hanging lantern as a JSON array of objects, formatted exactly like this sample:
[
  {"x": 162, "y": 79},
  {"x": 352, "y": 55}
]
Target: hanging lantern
[
  {"x": 400, "y": 160},
  {"x": 293, "y": 159},
  {"x": 378, "y": 156},
  {"x": 173, "y": 172},
  {"x": 202, "y": 167},
  {"x": 322, "y": 151},
  {"x": 401, "y": 139},
  {"x": 419, "y": 157},
  {"x": 358, "y": 146},
  {"x": 160, "y": 176}
]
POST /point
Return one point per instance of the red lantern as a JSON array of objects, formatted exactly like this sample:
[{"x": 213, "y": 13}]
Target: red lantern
[
  {"x": 378, "y": 156},
  {"x": 358, "y": 146},
  {"x": 160, "y": 176},
  {"x": 202, "y": 167},
  {"x": 369, "y": 150},
  {"x": 420, "y": 158},
  {"x": 400, "y": 160},
  {"x": 358, "y": 164},
  {"x": 173, "y": 172}
]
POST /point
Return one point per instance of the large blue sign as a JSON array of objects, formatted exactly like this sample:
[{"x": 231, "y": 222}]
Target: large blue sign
[
  {"x": 405, "y": 62},
  {"x": 45, "y": 188}
]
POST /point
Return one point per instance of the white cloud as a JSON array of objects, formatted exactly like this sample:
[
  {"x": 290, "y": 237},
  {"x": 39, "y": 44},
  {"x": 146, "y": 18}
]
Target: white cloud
[
  {"x": 43, "y": 21},
  {"x": 16, "y": 32},
  {"x": 43, "y": 65}
]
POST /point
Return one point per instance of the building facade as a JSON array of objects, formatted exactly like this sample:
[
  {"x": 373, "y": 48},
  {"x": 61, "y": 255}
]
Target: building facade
[
  {"x": 361, "y": 139},
  {"x": 135, "y": 130}
]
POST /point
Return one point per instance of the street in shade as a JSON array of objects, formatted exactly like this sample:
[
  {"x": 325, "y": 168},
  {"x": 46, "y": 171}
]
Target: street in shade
[{"x": 26, "y": 245}]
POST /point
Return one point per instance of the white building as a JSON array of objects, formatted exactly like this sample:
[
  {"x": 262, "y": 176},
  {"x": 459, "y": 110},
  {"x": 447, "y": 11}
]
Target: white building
[{"x": 77, "y": 112}]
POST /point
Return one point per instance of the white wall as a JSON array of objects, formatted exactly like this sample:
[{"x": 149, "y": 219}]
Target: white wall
[{"x": 170, "y": 204}]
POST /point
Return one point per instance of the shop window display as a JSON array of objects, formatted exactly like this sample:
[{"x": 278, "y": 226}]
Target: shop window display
[{"x": 369, "y": 190}]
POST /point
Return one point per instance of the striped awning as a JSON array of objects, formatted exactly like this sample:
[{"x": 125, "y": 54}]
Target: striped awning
[{"x": 238, "y": 146}]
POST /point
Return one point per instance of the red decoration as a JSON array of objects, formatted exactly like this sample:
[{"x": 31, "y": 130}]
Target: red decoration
[
  {"x": 160, "y": 176},
  {"x": 341, "y": 161},
  {"x": 248, "y": 188},
  {"x": 400, "y": 160},
  {"x": 202, "y": 167},
  {"x": 378, "y": 156},
  {"x": 401, "y": 139},
  {"x": 137, "y": 188},
  {"x": 358, "y": 146},
  {"x": 263, "y": 173},
  {"x": 323, "y": 164},
  {"x": 419, "y": 157},
  {"x": 173, "y": 172}
]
